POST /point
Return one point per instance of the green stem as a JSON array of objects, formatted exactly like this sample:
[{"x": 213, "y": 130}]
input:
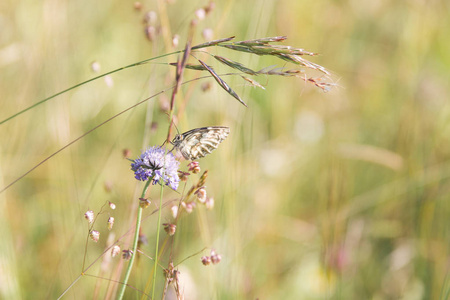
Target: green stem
[
  {"x": 157, "y": 239},
  {"x": 87, "y": 81},
  {"x": 135, "y": 242},
  {"x": 204, "y": 45}
]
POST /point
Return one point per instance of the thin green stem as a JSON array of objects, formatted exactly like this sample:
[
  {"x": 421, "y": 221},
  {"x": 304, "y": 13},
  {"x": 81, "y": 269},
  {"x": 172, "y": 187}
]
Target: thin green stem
[
  {"x": 87, "y": 81},
  {"x": 135, "y": 242},
  {"x": 204, "y": 45},
  {"x": 157, "y": 239}
]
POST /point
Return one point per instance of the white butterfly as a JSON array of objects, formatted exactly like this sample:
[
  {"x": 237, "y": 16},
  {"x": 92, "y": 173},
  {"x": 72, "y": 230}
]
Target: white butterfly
[{"x": 198, "y": 142}]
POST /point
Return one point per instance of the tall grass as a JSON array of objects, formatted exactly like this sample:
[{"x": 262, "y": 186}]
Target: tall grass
[{"x": 338, "y": 195}]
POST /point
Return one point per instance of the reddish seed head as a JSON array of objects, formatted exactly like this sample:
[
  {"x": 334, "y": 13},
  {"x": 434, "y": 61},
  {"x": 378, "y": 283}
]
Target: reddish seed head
[
  {"x": 215, "y": 258},
  {"x": 201, "y": 194},
  {"x": 126, "y": 254},
  {"x": 206, "y": 260},
  {"x": 183, "y": 175},
  {"x": 194, "y": 167},
  {"x": 170, "y": 228}
]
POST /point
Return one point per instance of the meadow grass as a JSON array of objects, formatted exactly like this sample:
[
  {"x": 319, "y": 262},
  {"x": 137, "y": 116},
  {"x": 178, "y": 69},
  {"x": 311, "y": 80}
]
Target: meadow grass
[{"x": 337, "y": 195}]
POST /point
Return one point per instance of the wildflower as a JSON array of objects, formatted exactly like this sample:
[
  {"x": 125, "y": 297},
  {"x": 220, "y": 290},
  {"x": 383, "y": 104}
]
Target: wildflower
[
  {"x": 94, "y": 235},
  {"x": 155, "y": 163},
  {"x": 115, "y": 250},
  {"x": 89, "y": 215}
]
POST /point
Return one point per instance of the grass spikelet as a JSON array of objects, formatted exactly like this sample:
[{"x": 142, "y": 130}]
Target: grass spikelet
[
  {"x": 281, "y": 72},
  {"x": 212, "y": 43},
  {"x": 253, "y": 82},
  {"x": 303, "y": 62},
  {"x": 263, "y": 41},
  {"x": 235, "y": 65},
  {"x": 191, "y": 67},
  {"x": 223, "y": 84}
]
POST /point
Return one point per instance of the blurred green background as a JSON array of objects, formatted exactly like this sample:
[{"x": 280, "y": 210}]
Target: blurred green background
[{"x": 338, "y": 195}]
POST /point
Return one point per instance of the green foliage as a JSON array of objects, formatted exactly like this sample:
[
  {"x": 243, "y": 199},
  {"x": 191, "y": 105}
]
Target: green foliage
[{"x": 338, "y": 195}]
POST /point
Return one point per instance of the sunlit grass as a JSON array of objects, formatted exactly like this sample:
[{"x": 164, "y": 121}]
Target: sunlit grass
[{"x": 339, "y": 195}]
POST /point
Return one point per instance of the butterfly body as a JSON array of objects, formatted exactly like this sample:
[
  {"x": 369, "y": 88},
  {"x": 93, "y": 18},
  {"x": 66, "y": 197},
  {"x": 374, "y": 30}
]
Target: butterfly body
[{"x": 198, "y": 142}]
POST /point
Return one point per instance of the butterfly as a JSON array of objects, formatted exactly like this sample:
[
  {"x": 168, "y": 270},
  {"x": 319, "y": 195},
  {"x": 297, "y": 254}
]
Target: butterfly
[{"x": 198, "y": 142}]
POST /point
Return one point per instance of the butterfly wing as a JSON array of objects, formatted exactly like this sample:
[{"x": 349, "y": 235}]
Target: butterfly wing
[{"x": 197, "y": 143}]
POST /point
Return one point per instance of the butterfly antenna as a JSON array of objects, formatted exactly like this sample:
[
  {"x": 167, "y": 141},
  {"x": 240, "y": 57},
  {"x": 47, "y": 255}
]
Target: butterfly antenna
[{"x": 178, "y": 132}]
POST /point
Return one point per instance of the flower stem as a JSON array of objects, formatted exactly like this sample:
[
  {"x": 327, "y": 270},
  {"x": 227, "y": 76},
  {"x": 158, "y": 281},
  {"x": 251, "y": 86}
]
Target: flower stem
[
  {"x": 135, "y": 242},
  {"x": 157, "y": 241}
]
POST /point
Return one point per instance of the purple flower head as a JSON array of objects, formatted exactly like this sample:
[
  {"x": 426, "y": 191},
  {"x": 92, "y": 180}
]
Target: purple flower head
[{"x": 156, "y": 162}]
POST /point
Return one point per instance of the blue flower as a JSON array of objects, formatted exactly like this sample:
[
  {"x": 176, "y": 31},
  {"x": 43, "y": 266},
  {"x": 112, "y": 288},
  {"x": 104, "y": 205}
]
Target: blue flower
[{"x": 156, "y": 162}]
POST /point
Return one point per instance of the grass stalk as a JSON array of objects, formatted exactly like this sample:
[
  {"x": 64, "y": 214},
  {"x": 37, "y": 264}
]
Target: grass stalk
[
  {"x": 135, "y": 242},
  {"x": 157, "y": 240}
]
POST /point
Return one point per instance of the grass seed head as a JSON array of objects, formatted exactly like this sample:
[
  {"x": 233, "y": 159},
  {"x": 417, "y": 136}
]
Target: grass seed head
[
  {"x": 170, "y": 228},
  {"x": 115, "y": 250},
  {"x": 89, "y": 216},
  {"x": 144, "y": 203},
  {"x": 206, "y": 260},
  {"x": 126, "y": 254},
  {"x": 110, "y": 222},
  {"x": 94, "y": 235}
]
